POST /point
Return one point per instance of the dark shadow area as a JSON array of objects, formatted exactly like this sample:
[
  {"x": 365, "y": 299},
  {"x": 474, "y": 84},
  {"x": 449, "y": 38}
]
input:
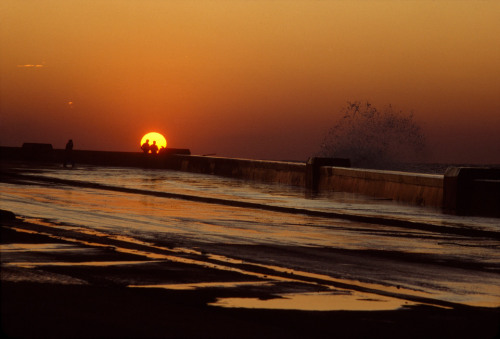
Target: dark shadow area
[
  {"x": 105, "y": 308},
  {"x": 63, "y": 311}
]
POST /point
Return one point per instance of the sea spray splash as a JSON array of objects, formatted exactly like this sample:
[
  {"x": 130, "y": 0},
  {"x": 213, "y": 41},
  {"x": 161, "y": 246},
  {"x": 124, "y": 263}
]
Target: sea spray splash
[{"x": 373, "y": 138}]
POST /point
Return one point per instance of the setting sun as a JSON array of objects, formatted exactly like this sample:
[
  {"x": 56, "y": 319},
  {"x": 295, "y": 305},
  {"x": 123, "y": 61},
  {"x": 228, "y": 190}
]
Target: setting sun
[{"x": 154, "y": 136}]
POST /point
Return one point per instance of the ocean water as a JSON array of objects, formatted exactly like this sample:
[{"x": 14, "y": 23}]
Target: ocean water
[{"x": 473, "y": 277}]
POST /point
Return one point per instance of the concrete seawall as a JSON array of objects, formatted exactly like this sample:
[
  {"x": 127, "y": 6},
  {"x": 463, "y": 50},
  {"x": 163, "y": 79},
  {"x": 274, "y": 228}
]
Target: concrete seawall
[
  {"x": 288, "y": 173},
  {"x": 414, "y": 188},
  {"x": 44, "y": 153},
  {"x": 478, "y": 195}
]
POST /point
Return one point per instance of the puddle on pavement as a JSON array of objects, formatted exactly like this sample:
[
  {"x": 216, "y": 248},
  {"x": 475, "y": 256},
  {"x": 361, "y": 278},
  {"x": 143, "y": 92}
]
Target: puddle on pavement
[{"x": 318, "y": 301}]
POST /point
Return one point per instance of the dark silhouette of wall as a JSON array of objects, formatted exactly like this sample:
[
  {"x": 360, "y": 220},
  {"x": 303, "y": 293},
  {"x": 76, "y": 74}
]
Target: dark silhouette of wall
[
  {"x": 33, "y": 152},
  {"x": 472, "y": 190},
  {"x": 318, "y": 175}
]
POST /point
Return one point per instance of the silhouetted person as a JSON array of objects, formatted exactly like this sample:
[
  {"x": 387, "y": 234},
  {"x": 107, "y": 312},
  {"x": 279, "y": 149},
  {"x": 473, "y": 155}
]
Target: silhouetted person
[
  {"x": 68, "y": 154},
  {"x": 162, "y": 150},
  {"x": 154, "y": 148},
  {"x": 145, "y": 147}
]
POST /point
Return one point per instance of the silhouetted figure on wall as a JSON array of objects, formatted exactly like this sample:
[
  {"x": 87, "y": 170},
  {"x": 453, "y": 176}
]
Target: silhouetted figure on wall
[
  {"x": 146, "y": 147},
  {"x": 162, "y": 150},
  {"x": 68, "y": 154},
  {"x": 154, "y": 148}
]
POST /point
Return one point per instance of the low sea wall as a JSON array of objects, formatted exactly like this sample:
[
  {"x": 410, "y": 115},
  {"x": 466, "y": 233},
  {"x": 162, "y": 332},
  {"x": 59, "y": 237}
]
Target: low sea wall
[
  {"x": 414, "y": 188},
  {"x": 126, "y": 159},
  {"x": 44, "y": 153},
  {"x": 289, "y": 173},
  {"x": 474, "y": 191}
]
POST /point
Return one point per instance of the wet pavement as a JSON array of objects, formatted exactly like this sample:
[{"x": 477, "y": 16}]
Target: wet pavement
[
  {"x": 224, "y": 257},
  {"x": 88, "y": 257}
]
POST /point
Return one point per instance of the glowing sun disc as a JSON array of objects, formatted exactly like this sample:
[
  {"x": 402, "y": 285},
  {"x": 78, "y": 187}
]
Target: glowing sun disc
[{"x": 154, "y": 136}]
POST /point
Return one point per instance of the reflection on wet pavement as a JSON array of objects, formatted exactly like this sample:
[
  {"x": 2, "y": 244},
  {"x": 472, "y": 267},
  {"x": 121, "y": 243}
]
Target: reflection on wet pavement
[
  {"x": 371, "y": 293},
  {"x": 319, "y": 301}
]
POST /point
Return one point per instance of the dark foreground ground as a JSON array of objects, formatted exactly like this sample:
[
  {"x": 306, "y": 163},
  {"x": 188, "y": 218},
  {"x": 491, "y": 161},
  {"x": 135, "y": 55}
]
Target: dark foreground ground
[
  {"x": 62, "y": 311},
  {"x": 83, "y": 302}
]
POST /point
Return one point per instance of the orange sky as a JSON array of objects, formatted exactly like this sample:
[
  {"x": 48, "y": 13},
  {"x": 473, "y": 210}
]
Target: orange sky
[{"x": 242, "y": 78}]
